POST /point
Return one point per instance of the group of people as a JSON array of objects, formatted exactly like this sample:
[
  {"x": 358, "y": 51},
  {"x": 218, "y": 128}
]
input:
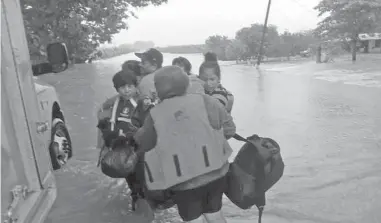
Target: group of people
[{"x": 180, "y": 123}]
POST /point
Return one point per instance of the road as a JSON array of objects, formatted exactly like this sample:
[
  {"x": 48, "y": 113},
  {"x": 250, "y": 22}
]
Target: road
[{"x": 329, "y": 130}]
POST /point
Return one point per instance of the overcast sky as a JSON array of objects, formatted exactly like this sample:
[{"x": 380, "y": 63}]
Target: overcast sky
[{"x": 192, "y": 21}]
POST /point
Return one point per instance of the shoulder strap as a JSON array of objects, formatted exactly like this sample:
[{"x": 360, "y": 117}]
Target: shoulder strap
[
  {"x": 240, "y": 138},
  {"x": 133, "y": 102},
  {"x": 113, "y": 114}
]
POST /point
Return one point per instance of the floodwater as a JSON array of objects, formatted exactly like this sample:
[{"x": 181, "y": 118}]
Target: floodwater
[{"x": 327, "y": 119}]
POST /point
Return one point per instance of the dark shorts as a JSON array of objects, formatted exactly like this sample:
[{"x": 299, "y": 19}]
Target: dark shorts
[{"x": 193, "y": 203}]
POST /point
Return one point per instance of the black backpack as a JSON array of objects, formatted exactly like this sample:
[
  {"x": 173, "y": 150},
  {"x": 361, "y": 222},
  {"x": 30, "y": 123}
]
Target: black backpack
[{"x": 256, "y": 168}]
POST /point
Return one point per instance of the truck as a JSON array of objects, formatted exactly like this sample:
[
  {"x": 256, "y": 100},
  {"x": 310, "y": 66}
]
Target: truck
[{"x": 35, "y": 140}]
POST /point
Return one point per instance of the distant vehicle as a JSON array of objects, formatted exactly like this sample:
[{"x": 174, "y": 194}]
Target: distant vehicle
[
  {"x": 305, "y": 53},
  {"x": 34, "y": 137}
]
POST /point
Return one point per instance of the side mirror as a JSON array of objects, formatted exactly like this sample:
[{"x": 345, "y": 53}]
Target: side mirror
[
  {"x": 58, "y": 60},
  {"x": 58, "y": 56}
]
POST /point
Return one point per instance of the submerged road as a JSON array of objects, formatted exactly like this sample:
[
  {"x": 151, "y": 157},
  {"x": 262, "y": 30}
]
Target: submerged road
[{"x": 329, "y": 132}]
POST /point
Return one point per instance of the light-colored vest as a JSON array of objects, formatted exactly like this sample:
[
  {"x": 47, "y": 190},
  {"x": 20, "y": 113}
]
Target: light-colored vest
[{"x": 187, "y": 146}]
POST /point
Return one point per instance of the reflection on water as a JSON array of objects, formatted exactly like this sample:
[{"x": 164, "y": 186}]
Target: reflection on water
[{"x": 330, "y": 134}]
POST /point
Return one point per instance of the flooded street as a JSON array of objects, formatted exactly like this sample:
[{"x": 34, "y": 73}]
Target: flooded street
[{"x": 326, "y": 118}]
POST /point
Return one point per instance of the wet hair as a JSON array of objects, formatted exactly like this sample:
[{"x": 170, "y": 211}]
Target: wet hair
[
  {"x": 184, "y": 62},
  {"x": 132, "y": 65},
  {"x": 210, "y": 62},
  {"x": 123, "y": 78},
  {"x": 210, "y": 56}
]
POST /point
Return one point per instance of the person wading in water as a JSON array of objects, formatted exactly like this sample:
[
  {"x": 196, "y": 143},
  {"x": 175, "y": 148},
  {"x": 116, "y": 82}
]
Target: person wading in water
[{"x": 184, "y": 138}]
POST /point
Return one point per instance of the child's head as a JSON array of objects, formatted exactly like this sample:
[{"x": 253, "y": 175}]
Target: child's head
[
  {"x": 171, "y": 81},
  {"x": 132, "y": 65},
  {"x": 210, "y": 72},
  {"x": 183, "y": 63},
  {"x": 125, "y": 84}
]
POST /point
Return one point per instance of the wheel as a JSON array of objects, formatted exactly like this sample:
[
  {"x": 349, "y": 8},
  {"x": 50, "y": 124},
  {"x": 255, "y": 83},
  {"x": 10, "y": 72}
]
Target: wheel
[{"x": 60, "y": 145}]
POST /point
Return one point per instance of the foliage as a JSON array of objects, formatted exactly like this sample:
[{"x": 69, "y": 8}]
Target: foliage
[
  {"x": 82, "y": 24},
  {"x": 183, "y": 49},
  {"x": 251, "y": 37},
  {"x": 237, "y": 50},
  {"x": 347, "y": 19},
  {"x": 113, "y": 51},
  {"x": 247, "y": 41},
  {"x": 218, "y": 44}
]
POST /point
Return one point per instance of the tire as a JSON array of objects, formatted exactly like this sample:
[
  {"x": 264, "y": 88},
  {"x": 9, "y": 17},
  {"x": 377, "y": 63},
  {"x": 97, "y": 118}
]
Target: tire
[{"x": 60, "y": 147}]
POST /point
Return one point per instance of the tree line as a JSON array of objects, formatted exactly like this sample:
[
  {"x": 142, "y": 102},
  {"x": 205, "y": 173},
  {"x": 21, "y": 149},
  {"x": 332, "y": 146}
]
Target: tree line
[
  {"x": 247, "y": 42},
  {"x": 83, "y": 25},
  {"x": 343, "y": 21},
  {"x": 113, "y": 51}
]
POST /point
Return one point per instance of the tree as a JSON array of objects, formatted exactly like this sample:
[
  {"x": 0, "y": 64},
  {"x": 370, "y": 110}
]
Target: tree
[
  {"x": 218, "y": 44},
  {"x": 347, "y": 19},
  {"x": 82, "y": 24},
  {"x": 251, "y": 37},
  {"x": 236, "y": 50}
]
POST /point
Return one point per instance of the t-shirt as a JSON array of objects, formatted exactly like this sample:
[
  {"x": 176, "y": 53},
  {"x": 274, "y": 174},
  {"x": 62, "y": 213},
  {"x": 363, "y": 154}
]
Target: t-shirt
[{"x": 147, "y": 88}]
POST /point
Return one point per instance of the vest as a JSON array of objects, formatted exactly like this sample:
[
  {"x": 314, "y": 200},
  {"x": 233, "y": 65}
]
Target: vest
[{"x": 187, "y": 146}]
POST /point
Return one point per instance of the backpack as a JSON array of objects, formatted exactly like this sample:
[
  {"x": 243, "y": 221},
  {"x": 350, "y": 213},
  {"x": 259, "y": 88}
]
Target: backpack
[{"x": 256, "y": 168}]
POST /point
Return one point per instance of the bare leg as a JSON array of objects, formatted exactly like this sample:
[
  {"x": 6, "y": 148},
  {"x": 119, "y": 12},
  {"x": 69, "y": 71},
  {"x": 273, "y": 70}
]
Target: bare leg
[{"x": 216, "y": 217}]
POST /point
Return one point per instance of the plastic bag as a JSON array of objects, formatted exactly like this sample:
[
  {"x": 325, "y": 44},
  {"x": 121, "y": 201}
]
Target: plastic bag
[{"x": 118, "y": 162}]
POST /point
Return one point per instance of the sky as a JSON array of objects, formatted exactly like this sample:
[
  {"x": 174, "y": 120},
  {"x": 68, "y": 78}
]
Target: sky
[{"x": 182, "y": 22}]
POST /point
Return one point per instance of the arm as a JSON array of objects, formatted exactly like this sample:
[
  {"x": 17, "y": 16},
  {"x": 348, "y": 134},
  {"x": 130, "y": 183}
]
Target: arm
[
  {"x": 141, "y": 111},
  {"x": 103, "y": 113},
  {"x": 227, "y": 123},
  {"x": 146, "y": 136},
  {"x": 106, "y": 108},
  {"x": 219, "y": 117}
]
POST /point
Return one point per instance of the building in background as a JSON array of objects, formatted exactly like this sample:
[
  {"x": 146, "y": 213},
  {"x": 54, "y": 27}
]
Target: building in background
[{"x": 371, "y": 42}]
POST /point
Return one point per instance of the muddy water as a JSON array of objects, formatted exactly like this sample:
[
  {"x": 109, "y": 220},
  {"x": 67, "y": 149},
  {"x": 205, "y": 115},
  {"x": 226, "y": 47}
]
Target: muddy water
[{"x": 329, "y": 131}]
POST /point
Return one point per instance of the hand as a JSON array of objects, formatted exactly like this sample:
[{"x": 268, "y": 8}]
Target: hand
[
  {"x": 103, "y": 114},
  {"x": 103, "y": 123}
]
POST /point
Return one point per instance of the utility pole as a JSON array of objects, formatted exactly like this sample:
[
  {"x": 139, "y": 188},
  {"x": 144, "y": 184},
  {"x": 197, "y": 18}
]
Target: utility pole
[{"x": 264, "y": 34}]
